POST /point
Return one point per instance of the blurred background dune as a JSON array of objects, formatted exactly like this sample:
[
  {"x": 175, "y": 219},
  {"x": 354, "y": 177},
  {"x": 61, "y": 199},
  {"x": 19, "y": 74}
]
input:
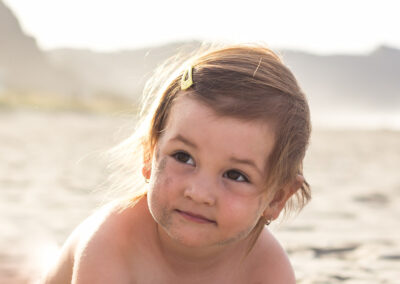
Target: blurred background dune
[{"x": 62, "y": 108}]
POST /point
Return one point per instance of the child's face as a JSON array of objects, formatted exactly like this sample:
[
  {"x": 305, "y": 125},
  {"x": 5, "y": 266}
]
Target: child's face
[{"x": 208, "y": 173}]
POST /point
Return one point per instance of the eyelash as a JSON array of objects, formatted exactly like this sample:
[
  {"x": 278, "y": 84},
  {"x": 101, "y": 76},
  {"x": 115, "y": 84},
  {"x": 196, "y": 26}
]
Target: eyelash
[
  {"x": 178, "y": 157},
  {"x": 243, "y": 176},
  {"x": 179, "y": 153}
]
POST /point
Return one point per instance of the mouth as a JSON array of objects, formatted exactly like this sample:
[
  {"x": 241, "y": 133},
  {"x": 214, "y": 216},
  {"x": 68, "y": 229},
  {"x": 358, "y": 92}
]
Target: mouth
[{"x": 196, "y": 218}]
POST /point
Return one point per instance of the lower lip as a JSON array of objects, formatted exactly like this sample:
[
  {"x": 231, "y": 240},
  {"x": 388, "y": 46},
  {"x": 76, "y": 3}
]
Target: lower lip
[{"x": 194, "y": 219}]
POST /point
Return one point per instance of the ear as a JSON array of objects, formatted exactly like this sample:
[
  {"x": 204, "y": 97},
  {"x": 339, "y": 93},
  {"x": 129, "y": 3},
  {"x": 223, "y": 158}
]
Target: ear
[
  {"x": 278, "y": 202},
  {"x": 146, "y": 169}
]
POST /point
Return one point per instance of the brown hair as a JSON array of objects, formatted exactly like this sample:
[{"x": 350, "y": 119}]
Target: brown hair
[{"x": 248, "y": 82}]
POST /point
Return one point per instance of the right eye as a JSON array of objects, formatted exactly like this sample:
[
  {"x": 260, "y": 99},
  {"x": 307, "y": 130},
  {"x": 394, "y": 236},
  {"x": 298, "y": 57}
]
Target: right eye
[{"x": 183, "y": 157}]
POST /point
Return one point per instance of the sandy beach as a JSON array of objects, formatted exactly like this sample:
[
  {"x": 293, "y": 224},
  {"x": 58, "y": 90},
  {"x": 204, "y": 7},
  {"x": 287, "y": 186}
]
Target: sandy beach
[{"x": 51, "y": 165}]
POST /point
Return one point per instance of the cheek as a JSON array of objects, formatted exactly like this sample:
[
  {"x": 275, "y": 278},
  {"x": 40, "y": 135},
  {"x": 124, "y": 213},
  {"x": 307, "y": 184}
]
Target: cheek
[
  {"x": 163, "y": 176},
  {"x": 158, "y": 196},
  {"x": 160, "y": 167},
  {"x": 160, "y": 180},
  {"x": 158, "y": 171},
  {"x": 243, "y": 211}
]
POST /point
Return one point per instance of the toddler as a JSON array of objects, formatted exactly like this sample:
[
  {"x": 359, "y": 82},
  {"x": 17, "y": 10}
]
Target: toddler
[{"x": 221, "y": 149}]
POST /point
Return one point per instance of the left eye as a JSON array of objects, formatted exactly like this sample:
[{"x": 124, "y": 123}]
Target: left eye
[{"x": 236, "y": 176}]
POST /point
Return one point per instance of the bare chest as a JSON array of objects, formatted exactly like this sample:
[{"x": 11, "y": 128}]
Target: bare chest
[
  {"x": 159, "y": 274},
  {"x": 107, "y": 264},
  {"x": 150, "y": 269}
]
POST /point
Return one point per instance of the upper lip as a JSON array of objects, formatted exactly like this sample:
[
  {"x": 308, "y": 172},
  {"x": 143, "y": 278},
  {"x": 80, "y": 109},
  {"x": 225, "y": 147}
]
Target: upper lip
[{"x": 196, "y": 215}]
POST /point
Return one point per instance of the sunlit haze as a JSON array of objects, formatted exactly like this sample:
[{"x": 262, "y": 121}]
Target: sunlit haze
[{"x": 317, "y": 26}]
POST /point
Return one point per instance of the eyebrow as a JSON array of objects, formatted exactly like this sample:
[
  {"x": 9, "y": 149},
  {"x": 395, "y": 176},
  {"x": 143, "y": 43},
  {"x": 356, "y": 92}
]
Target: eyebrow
[
  {"x": 184, "y": 140},
  {"x": 246, "y": 162}
]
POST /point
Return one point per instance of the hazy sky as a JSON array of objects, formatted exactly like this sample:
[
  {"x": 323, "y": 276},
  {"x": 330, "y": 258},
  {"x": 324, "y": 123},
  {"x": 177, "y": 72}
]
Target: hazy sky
[{"x": 319, "y": 26}]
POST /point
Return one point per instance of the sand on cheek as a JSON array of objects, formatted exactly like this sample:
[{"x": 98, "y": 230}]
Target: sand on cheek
[{"x": 157, "y": 203}]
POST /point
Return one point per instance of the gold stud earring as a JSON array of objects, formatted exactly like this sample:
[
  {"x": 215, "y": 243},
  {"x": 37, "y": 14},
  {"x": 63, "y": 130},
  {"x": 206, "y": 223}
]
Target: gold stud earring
[{"x": 267, "y": 220}]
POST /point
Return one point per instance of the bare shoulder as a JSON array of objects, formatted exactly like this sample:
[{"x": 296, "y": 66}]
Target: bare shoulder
[
  {"x": 270, "y": 263},
  {"x": 61, "y": 270},
  {"x": 92, "y": 253}
]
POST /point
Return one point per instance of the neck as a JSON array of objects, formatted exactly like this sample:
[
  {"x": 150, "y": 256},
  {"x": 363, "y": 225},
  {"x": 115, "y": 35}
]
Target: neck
[{"x": 207, "y": 260}]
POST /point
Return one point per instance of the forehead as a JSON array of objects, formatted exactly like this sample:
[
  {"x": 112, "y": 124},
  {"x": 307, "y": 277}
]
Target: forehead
[{"x": 224, "y": 134}]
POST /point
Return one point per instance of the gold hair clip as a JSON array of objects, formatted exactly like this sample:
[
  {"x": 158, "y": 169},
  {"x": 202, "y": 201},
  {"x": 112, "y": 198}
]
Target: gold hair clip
[{"x": 187, "y": 79}]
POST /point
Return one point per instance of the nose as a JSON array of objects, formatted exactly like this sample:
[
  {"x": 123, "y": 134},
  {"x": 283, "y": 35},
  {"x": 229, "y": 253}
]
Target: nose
[{"x": 200, "y": 189}]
